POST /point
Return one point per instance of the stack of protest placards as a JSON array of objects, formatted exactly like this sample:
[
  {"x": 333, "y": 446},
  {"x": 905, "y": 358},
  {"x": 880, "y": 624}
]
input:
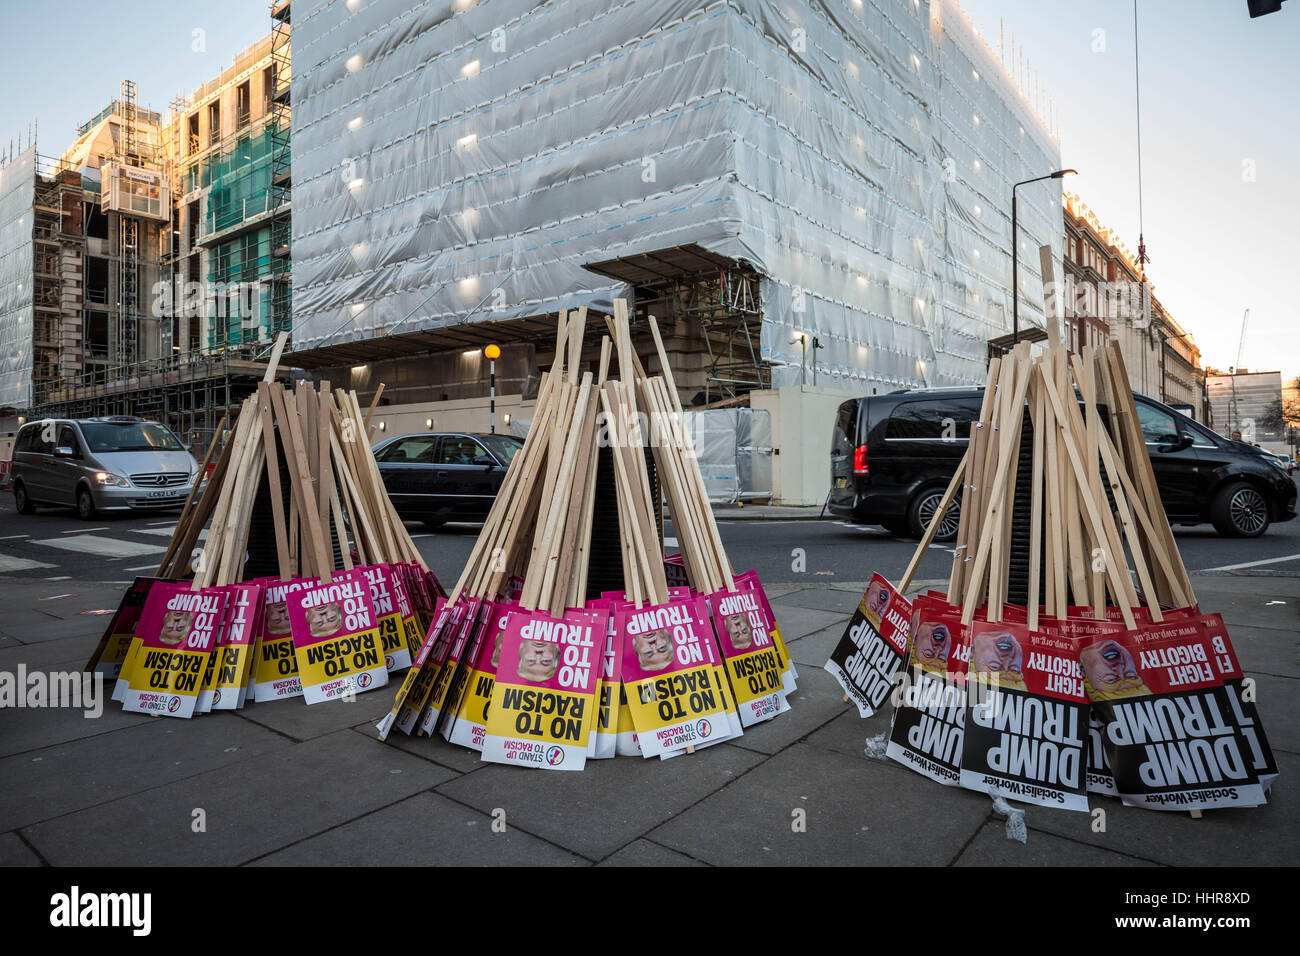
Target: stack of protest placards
[
  {"x": 1110, "y": 680},
  {"x": 524, "y": 665},
  {"x": 328, "y": 625}
]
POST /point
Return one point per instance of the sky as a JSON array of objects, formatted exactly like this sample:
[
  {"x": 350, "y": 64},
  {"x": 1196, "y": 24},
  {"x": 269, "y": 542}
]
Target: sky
[
  {"x": 1220, "y": 151},
  {"x": 1220, "y": 126}
]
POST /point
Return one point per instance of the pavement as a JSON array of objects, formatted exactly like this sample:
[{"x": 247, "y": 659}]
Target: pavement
[{"x": 287, "y": 784}]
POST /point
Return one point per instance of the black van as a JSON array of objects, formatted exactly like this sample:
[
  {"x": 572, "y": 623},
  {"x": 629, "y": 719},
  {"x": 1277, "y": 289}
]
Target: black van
[{"x": 893, "y": 455}]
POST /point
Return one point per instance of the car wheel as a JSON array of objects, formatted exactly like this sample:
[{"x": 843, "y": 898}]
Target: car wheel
[
  {"x": 85, "y": 504},
  {"x": 21, "y": 501},
  {"x": 1240, "y": 511},
  {"x": 923, "y": 508}
]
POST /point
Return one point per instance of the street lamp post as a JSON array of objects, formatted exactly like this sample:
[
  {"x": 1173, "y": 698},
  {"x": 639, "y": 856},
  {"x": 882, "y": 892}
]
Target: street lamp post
[
  {"x": 493, "y": 352},
  {"x": 1015, "y": 250}
]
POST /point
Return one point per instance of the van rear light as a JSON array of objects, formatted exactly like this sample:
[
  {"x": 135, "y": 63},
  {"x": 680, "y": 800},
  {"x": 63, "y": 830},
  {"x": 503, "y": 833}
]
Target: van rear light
[{"x": 860, "y": 463}]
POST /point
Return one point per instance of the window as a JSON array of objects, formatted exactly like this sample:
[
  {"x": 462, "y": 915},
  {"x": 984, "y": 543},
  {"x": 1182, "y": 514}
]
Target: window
[
  {"x": 410, "y": 451},
  {"x": 1158, "y": 428},
  {"x": 68, "y": 439},
  {"x": 459, "y": 450},
  {"x": 506, "y": 446},
  {"x": 243, "y": 105},
  {"x": 948, "y": 419},
  {"x": 214, "y": 122}
]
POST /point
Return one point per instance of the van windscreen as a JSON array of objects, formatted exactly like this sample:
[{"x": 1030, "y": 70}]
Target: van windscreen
[{"x": 103, "y": 437}]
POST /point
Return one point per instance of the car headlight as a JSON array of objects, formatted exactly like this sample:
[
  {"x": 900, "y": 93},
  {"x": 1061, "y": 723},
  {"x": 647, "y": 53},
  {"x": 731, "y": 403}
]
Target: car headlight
[{"x": 108, "y": 478}]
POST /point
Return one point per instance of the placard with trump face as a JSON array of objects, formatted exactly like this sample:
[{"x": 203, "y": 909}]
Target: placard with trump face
[
  {"x": 869, "y": 657},
  {"x": 177, "y": 636},
  {"x": 1027, "y": 724},
  {"x": 1170, "y": 731},
  {"x": 670, "y": 677},
  {"x": 336, "y": 638},
  {"x": 543, "y": 702},
  {"x": 753, "y": 664}
]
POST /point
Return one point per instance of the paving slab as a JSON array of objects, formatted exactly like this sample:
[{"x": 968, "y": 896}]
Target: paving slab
[
  {"x": 68, "y": 777},
  {"x": 815, "y": 702},
  {"x": 847, "y": 734},
  {"x": 856, "y": 813},
  {"x": 26, "y": 729},
  {"x": 46, "y": 655},
  {"x": 89, "y": 628},
  {"x": 800, "y": 622},
  {"x": 260, "y": 804},
  {"x": 607, "y": 805},
  {"x": 1247, "y": 836},
  {"x": 1266, "y": 650},
  {"x": 423, "y": 830},
  {"x": 820, "y": 599},
  {"x": 1278, "y": 701},
  {"x": 302, "y": 721},
  {"x": 435, "y": 749},
  {"x": 646, "y": 853},
  {"x": 14, "y": 852},
  {"x": 992, "y": 847},
  {"x": 815, "y": 649}
]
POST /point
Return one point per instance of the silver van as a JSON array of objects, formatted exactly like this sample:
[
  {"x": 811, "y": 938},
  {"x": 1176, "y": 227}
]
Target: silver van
[{"x": 117, "y": 463}]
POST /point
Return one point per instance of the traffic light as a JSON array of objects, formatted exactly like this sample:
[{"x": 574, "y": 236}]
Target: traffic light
[{"x": 1258, "y": 8}]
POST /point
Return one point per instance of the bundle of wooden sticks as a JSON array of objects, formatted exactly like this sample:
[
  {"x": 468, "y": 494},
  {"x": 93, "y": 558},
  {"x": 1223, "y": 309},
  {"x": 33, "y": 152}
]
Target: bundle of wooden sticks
[{"x": 530, "y": 567}]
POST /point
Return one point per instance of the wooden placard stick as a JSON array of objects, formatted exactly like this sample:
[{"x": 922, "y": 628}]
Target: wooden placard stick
[
  {"x": 968, "y": 520},
  {"x": 577, "y": 330},
  {"x": 1073, "y": 520},
  {"x": 1163, "y": 561},
  {"x": 692, "y": 467},
  {"x": 369, "y": 480},
  {"x": 995, "y": 497},
  {"x": 242, "y": 513},
  {"x": 273, "y": 486},
  {"x": 374, "y": 403},
  {"x": 363, "y": 531},
  {"x": 1033, "y": 601},
  {"x": 692, "y": 532},
  {"x": 1109, "y": 543},
  {"x": 1122, "y": 506},
  {"x": 1113, "y": 565},
  {"x": 571, "y": 527},
  {"x": 274, "y": 363},
  {"x": 1083, "y": 374},
  {"x": 321, "y": 564},
  {"x": 202, "y": 511},
  {"x": 225, "y": 530},
  {"x": 320, "y": 401},
  {"x": 188, "y": 509},
  {"x": 945, "y": 502},
  {"x": 212, "y": 549},
  {"x": 625, "y": 484},
  {"x": 1140, "y": 465},
  {"x": 547, "y": 558},
  {"x": 992, "y": 512}
]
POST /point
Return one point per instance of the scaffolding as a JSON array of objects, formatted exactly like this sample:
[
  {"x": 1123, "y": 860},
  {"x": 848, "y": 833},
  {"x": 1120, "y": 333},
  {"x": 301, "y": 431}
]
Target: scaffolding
[
  {"x": 281, "y": 169},
  {"x": 709, "y": 300}
]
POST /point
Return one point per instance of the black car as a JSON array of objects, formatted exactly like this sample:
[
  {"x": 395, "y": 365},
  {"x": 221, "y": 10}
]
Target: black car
[
  {"x": 893, "y": 455},
  {"x": 436, "y": 478}
]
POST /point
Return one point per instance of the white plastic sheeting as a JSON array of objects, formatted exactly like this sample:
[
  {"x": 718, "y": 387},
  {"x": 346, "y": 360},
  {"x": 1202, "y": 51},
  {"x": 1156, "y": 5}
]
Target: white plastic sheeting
[
  {"x": 460, "y": 161},
  {"x": 734, "y": 449},
  {"x": 17, "y": 196}
]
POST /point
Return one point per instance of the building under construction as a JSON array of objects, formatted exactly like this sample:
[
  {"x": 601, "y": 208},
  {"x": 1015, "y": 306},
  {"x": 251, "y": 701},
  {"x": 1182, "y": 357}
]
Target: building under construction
[
  {"x": 157, "y": 262},
  {"x": 799, "y": 192}
]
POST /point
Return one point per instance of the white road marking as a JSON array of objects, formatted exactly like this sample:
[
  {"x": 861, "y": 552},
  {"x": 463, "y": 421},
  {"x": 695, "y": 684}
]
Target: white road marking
[
  {"x": 161, "y": 532},
  {"x": 85, "y": 530},
  {"x": 155, "y": 524},
  {"x": 105, "y": 547},
  {"x": 10, "y": 537},
  {"x": 10, "y": 563},
  {"x": 62, "y": 577},
  {"x": 145, "y": 567},
  {"x": 671, "y": 543},
  {"x": 1255, "y": 564}
]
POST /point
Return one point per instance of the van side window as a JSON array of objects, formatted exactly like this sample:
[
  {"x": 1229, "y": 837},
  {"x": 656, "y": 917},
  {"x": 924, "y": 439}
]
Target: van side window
[
  {"x": 946, "y": 418},
  {"x": 24, "y": 442},
  {"x": 68, "y": 439},
  {"x": 37, "y": 442},
  {"x": 1157, "y": 427}
]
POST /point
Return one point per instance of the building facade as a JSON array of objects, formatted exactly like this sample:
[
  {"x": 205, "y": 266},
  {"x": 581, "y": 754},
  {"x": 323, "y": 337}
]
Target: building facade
[
  {"x": 1249, "y": 404},
  {"x": 1106, "y": 300},
  {"x": 798, "y": 192}
]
